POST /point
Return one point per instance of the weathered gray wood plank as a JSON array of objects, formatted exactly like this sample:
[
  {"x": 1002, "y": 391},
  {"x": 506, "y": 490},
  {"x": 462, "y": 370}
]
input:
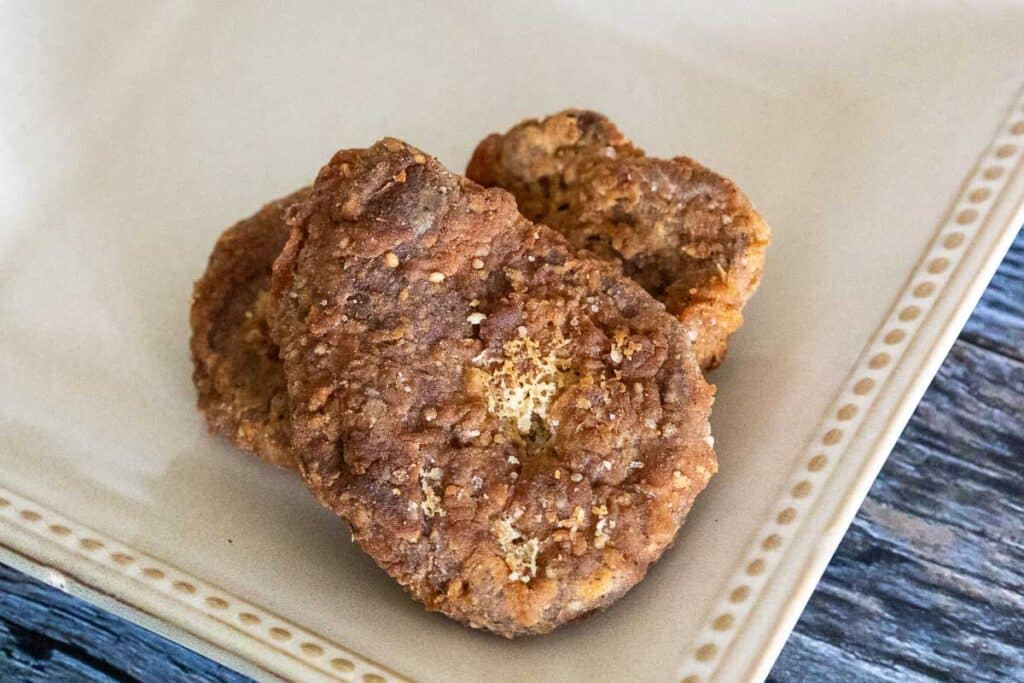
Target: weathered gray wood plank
[
  {"x": 998, "y": 321},
  {"x": 929, "y": 581},
  {"x": 47, "y": 635}
]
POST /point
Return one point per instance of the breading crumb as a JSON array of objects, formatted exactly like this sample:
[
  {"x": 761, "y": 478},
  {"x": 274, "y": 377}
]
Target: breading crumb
[
  {"x": 520, "y": 554},
  {"x": 523, "y": 382},
  {"x": 431, "y": 504}
]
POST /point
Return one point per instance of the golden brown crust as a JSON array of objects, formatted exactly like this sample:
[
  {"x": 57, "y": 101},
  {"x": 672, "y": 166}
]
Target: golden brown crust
[
  {"x": 514, "y": 432},
  {"x": 687, "y": 235},
  {"x": 237, "y": 372}
]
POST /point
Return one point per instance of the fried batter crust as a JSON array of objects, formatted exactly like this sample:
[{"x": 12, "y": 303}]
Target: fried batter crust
[
  {"x": 513, "y": 432},
  {"x": 686, "y": 234},
  {"x": 237, "y": 372}
]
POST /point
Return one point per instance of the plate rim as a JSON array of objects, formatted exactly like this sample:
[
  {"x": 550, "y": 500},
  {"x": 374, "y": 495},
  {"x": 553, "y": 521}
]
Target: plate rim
[
  {"x": 984, "y": 207},
  {"x": 160, "y": 596},
  {"x": 153, "y": 592}
]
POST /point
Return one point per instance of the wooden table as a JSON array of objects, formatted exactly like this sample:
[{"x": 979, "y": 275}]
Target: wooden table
[{"x": 928, "y": 583}]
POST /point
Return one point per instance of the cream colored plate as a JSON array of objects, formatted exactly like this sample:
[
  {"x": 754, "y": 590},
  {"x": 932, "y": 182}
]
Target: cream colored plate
[{"x": 882, "y": 141}]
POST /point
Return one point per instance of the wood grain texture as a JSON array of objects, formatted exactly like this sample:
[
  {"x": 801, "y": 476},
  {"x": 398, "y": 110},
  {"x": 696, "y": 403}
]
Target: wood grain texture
[
  {"x": 928, "y": 583},
  {"x": 998, "y": 321},
  {"x": 47, "y": 635}
]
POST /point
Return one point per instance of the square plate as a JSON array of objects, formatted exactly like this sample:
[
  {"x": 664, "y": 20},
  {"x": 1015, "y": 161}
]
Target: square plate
[{"x": 883, "y": 147}]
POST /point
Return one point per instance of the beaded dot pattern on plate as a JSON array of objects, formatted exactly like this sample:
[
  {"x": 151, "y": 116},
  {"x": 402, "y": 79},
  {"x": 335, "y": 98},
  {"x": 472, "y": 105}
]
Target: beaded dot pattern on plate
[
  {"x": 855, "y": 399},
  {"x": 308, "y": 648}
]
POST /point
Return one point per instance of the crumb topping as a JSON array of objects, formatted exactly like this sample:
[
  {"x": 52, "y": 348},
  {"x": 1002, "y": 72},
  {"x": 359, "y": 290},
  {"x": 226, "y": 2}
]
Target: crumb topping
[
  {"x": 523, "y": 381},
  {"x": 520, "y": 552},
  {"x": 431, "y": 504}
]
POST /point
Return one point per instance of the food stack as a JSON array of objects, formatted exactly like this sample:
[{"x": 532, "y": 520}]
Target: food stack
[{"x": 497, "y": 379}]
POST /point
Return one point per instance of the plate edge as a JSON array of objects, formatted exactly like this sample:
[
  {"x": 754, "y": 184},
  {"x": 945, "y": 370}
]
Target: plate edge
[
  {"x": 58, "y": 548},
  {"x": 834, "y": 439}
]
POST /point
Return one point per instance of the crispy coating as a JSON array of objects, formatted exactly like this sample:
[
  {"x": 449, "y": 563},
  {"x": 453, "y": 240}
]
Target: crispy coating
[
  {"x": 237, "y": 372},
  {"x": 514, "y": 432},
  {"x": 687, "y": 235}
]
